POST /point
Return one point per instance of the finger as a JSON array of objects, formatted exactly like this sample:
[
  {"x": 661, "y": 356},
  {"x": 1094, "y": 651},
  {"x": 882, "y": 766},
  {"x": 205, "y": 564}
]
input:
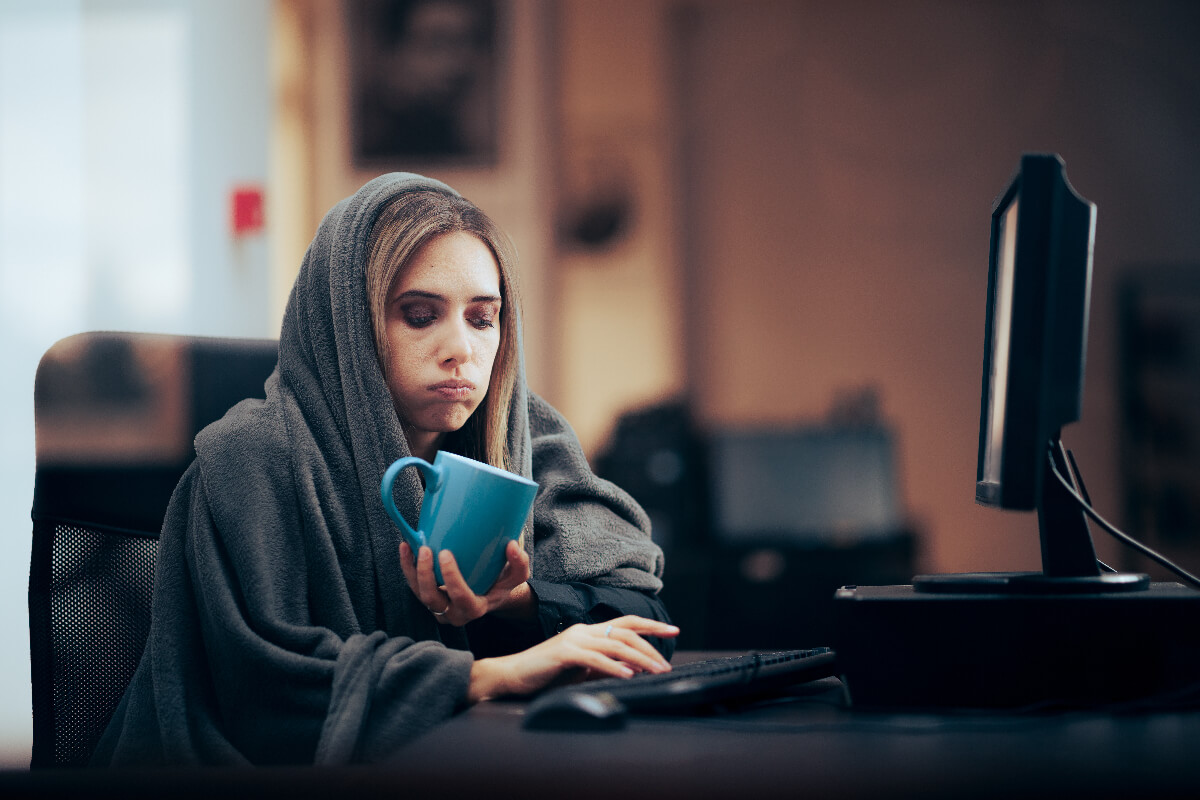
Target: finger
[
  {"x": 599, "y": 664},
  {"x": 515, "y": 572},
  {"x": 645, "y": 627},
  {"x": 408, "y": 565},
  {"x": 427, "y": 586},
  {"x": 515, "y": 553},
  {"x": 642, "y": 646},
  {"x": 633, "y": 650},
  {"x": 515, "y": 558},
  {"x": 519, "y": 560},
  {"x": 455, "y": 585}
]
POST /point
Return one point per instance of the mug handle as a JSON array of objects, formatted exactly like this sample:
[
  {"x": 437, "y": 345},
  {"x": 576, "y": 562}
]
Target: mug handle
[{"x": 432, "y": 477}]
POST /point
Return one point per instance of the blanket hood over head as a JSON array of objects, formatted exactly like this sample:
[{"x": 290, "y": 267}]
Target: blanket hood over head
[
  {"x": 283, "y": 629},
  {"x": 340, "y": 411}
]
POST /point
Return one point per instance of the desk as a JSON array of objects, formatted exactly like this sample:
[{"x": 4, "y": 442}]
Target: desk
[
  {"x": 811, "y": 746},
  {"x": 814, "y": 746}
]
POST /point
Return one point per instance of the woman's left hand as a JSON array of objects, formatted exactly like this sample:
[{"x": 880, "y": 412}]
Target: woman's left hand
[{"x": 453, "y": 603}]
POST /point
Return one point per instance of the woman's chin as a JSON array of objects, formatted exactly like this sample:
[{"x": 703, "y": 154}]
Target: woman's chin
[{"x": 445, "y": 420}]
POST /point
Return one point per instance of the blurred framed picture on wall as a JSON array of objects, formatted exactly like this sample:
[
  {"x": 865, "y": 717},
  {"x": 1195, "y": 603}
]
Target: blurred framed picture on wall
[{"x": 423, "y": 81}]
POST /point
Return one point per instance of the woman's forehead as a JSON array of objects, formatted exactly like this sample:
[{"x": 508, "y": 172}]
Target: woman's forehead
[{"x": 451, "y": 263}]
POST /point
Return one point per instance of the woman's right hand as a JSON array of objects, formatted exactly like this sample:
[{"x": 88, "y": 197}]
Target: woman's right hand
[{"x": 614, "y": 648}]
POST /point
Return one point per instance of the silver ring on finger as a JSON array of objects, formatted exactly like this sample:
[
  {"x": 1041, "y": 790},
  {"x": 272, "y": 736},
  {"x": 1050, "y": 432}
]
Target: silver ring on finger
[
  {"x": 441, "y": 613},
  {"x": 607, "y": 631}
]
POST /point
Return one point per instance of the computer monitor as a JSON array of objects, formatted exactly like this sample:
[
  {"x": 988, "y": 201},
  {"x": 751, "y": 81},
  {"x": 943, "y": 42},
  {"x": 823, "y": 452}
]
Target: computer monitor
[{"x": 1035, "y": 344}]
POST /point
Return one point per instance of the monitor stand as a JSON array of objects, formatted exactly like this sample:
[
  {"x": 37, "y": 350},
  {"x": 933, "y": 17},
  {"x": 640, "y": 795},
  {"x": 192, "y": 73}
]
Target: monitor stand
[{"x": 1069, "y": 563}]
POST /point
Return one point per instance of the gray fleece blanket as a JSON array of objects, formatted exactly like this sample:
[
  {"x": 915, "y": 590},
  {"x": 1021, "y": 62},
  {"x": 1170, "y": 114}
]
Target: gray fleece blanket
[{"x": 282, "y": 628}]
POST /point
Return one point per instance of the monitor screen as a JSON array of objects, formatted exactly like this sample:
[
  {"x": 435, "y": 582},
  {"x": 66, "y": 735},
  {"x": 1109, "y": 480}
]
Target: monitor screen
[
  {"x": 997, "y": 385},
  {"x": 1035, "y": 346},
  {"x": 1035, "y": 333}
]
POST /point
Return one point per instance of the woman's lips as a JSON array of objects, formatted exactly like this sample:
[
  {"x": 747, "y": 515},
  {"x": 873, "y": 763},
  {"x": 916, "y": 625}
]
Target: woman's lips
[{"x": 453, "y": 390}]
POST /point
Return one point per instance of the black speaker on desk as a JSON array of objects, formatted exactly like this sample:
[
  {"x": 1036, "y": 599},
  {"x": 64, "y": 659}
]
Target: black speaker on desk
[
  {"x": 797, "y": 513},
  {"x": 658, "y": 456},
  {"x": 780, "y": 595},
  {"x": 760, "y": 526}
]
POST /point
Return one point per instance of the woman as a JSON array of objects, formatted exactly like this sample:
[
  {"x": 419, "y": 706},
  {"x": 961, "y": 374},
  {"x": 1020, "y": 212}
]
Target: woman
[{"x": 289, "y": 624}]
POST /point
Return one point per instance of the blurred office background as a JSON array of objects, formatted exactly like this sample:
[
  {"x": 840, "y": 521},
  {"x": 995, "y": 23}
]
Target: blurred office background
[{"x": 736, "y": 218}]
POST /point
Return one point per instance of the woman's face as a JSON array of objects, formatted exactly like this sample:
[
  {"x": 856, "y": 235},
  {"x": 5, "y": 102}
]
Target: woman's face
[{"x": 442, "y": 324}]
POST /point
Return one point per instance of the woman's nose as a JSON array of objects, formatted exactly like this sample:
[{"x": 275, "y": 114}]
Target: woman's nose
[{"x": 456, "y": 345}]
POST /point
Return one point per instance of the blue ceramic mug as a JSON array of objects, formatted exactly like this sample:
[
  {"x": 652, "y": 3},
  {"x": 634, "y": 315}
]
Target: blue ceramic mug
[{"x": 470, "y": 508}]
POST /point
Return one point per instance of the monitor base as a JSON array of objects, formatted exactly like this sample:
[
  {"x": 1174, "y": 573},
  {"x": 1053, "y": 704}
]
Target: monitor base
[{"x": 1030, "y": 583}]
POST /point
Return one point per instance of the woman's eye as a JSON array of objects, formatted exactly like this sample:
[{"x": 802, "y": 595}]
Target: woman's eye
[
  {"x": 419, "y": 316},
  {"x": 484, "y": 320}
]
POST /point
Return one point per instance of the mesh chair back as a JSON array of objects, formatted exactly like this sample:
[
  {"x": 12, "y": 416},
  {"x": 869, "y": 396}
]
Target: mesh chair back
[
  {"x": 108, "y": 460},
  {"x": 92, "y": 593}
]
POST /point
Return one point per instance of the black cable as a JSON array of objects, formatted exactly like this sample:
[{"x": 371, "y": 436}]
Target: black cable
[
  {"x": 1120, "y": 535},
  {"x": 1077, "y": 477}
]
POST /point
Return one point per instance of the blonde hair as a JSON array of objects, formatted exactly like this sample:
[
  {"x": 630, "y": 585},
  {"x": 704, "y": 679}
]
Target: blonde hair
[{"x": 402, "y": 227}]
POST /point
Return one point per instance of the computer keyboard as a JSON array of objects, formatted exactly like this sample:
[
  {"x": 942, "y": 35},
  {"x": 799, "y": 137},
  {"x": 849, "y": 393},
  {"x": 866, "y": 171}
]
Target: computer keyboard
[{"x": 691, "y": 687}]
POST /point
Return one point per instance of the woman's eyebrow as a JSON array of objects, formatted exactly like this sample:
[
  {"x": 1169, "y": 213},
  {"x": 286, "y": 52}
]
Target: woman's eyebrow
[
  {"x": 481, "y": 298},
  {"x": 421, "y": 293}
]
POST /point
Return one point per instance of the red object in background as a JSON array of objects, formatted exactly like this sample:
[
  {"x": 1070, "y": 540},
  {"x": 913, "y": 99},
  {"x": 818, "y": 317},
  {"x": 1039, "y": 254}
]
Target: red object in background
[{"x": 247, "y": 206}]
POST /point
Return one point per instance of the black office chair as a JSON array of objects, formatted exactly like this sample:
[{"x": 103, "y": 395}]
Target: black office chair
[{"x": 115, "y": 415}]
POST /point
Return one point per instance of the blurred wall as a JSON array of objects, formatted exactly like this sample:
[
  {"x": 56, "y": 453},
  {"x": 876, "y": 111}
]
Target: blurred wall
[
  {"x": 831, "y": 171},
  {"x": 619, "y": 306},
  {"x": 766, "y": 204},
  {"x": 842, "y": 160},
  {"x": 312, "y": 167}
]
